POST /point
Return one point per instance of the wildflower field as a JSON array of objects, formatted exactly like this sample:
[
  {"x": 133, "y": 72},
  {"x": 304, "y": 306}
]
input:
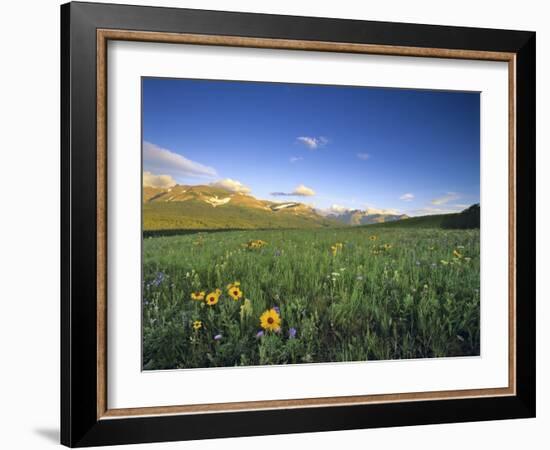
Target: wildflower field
[{"x": 307, "y": 296}]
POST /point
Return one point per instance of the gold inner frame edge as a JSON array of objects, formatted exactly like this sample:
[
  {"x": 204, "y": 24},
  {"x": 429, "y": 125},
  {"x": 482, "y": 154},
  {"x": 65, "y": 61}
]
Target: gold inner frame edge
[{"x": 103, "y": 36}]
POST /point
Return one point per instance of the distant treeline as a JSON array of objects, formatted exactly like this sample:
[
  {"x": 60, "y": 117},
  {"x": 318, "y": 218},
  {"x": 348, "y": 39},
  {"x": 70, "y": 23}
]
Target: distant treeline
[
  {"x": 177, "y": 232},
  {"x": 183, "y": 231},
  {"x": 469, "y": 218}
]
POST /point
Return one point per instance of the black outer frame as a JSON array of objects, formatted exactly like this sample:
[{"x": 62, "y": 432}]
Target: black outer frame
[{"x": 79, "y": 424}]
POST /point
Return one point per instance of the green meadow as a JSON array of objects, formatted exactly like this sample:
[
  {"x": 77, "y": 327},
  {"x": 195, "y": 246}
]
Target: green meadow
[{"x": 376, "y": 292}]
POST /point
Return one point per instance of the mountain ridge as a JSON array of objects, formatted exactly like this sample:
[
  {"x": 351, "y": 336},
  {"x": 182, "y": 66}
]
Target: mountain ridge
[
  {"x": 214, "y": 207},
  {"x": 365, "y": 217}
]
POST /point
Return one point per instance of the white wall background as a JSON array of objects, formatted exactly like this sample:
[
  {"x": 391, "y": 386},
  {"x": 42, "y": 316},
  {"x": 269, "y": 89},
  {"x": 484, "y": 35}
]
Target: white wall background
[{"x": 29, "y": 224}]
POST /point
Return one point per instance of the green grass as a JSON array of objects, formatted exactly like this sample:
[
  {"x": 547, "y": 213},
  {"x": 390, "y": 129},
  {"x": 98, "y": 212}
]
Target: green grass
[{"x": 368, "y": 302}]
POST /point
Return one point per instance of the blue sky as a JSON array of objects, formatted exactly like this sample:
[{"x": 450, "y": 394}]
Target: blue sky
[{"x": 411, "y": 151}]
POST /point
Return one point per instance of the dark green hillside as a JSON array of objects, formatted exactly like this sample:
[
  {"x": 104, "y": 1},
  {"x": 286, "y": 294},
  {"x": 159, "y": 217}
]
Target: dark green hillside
[
  {"x": 434, "y": 221},
  {"x": 469, "y": 218}
]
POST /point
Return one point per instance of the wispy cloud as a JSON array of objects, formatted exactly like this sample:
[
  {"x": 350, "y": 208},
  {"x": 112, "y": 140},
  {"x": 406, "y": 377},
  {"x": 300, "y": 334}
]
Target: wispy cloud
[
  {"x": 363, "y": 156},
  {"x": 407, "y": 197},
  {"x": 448, "y": 197},
  {"x": 231, "y": 185},
  {"x": 372, "y": 210},
  {"x": 294, "y": 159},
  {"x": 299, "y": 191},
  {"x": 312, "y": 142},
  {"x": 160, "y": 181},
  {"x": 161, "y": 160}
]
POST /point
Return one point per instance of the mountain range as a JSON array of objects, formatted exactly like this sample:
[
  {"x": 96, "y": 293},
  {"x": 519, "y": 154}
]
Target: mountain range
[
  {"x": 210, "y": 207},
  {"x": 365, "y": 217}
]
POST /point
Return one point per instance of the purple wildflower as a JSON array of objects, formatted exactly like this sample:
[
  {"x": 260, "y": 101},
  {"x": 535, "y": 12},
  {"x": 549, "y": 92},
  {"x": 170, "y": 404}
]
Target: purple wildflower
[
  {"x": 292, "y": 333},
  {"x": 218, "y": 337},
  {"x": 276, "y": 308},
  {"x": 259, "y": 334},
  {"x": 158, "y": 279}
]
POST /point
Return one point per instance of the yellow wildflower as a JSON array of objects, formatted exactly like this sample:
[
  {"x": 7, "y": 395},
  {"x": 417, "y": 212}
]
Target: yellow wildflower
[
  {"x": 373, "y": 238},
  {"x": 197, "y": 295},
  {"x": 457, "y": 254},
  {"x": 335, "y": 248},
  {"x": 197, "y": 325},
  {"x": 234, "y": 284},
  {"x": 255, "y": 244},
  {"x": 235, "y": 292},
  {"x": 213, "y": 297},
  {"x": 270, "y": 320}
]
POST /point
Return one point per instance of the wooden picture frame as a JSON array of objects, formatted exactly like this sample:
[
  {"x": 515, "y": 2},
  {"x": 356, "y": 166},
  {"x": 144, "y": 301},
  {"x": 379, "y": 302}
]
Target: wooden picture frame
[{"x": 86, "y": 418}]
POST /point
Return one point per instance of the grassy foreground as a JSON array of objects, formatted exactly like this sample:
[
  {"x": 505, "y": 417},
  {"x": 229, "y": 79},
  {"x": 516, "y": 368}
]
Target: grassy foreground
[{"x": 353, "y": 294}]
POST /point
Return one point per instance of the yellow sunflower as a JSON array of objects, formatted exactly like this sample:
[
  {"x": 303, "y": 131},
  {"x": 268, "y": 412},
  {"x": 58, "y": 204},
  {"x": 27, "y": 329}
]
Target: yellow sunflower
[
  {"x": 197, "y": 295},
  {"x": 372, "y": 238},
  {"x": 258, "y": 243},
  {"x": 270, "y": 320},
  {"x": 213, "y": 297},
  {"x": 197, "y": 325},
  {"x": 235, "y": 292}
]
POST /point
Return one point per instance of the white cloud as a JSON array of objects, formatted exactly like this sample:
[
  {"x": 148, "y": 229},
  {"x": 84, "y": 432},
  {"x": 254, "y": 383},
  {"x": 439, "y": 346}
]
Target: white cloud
[
  {"x": 450, "y": 196},
  {"x": 304, "y": 191},
  {"x": 157, "y": 159},
  {"x": 299, "y": 191},
  {"x": 338, "y": 209},
  {"x": 363, "y": 156},
  {"x": 294, "y": 159},
  {"x": 407, "y": 197},
  {"x": 333, "y": 209},
  {"x": 313, "y": 142},
  {"x": 160, "y": 181},
  {"x": 371, "y": 210},
  {"x": 231, "y": 185}
]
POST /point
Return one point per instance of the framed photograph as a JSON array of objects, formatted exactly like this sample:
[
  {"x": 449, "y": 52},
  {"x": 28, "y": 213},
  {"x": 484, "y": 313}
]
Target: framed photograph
[{"x": 277, "y": 224}]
